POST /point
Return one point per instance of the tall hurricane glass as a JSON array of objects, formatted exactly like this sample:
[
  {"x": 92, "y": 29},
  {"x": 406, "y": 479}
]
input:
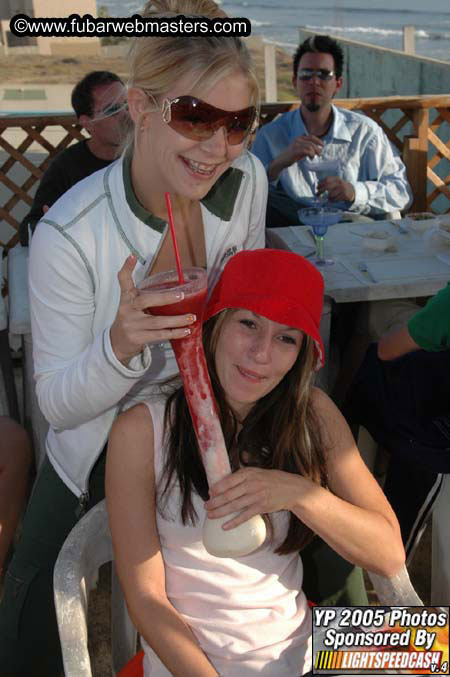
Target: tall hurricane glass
[{"x": 191, "y": 361}]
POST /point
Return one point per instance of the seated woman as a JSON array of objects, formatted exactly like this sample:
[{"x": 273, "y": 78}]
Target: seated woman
[{"x": 294, "y": 461}]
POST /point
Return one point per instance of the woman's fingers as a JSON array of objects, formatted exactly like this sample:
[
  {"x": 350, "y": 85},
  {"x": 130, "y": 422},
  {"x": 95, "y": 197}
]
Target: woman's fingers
[
  {"x": 143, "y": 337},
  {"x": 222, "y": 493},
  {"x": 235, "y": 493},
  {"x": 142, "y": 299},
  {"x": 133, "y": 328},
  {"x": 125, "y": 276},
  {"x": 146, "y": 329},
  {"x": 233, "y": 479},
  {"x": 252, "y": 491},
  {"x": 240, "y": 506},
  {"x": 229, "y": 502},
  {"x": 149, "y": 299},
  {"x": 157, "y": 322}
]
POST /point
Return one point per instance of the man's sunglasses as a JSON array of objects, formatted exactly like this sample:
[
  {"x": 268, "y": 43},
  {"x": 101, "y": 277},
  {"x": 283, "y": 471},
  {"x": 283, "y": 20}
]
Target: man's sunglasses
[
  {"x": 113, "y": 109},
  {"x": 308, "y": 73},
  {"x": 196, "y": 120}
]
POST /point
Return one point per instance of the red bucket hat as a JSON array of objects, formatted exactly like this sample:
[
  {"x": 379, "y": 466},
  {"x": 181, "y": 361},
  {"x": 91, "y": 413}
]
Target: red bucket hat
[{"x": 275, "y": 283}]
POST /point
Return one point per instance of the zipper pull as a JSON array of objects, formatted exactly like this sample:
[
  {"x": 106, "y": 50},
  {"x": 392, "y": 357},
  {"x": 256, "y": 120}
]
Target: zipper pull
[{"x": 82, "y": 505}]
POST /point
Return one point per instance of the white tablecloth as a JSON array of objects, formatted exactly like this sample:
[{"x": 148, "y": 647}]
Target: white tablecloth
[{"x": 413, "y": 269}]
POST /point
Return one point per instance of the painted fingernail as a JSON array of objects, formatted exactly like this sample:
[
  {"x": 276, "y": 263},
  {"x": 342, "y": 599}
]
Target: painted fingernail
[
  {"x": 186, "y": 332},
  {"x": 180, "y": 296},
  {"x": 191, "y": 318}
]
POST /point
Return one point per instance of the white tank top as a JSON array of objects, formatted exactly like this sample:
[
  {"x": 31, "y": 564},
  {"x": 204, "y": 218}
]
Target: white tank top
[{"x": 248, "y": 614}]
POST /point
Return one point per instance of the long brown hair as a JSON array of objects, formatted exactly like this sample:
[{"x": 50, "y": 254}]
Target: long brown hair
[{"x": 280, "y": 432}]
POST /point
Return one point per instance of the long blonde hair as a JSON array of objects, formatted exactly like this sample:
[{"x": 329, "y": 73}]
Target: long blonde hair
[{"x": 158, "y": 63}]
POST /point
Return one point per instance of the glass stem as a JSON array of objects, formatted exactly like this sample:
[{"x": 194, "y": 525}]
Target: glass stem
[{"x": 319, "y": 247}]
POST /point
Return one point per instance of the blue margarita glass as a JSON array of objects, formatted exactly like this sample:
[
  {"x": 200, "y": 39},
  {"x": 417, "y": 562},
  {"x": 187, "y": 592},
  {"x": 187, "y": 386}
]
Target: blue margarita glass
[{"x": 319, "y": 219}]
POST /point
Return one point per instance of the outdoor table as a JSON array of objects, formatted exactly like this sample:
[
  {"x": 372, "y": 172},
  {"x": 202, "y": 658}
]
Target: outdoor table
[{"x": 413, "y": 269}]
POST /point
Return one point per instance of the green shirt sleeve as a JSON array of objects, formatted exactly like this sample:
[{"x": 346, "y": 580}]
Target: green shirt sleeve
[{"x": 430, "y": 327}]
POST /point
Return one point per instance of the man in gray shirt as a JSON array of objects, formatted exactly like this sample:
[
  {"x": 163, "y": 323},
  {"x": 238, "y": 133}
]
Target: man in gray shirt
[{"x": 100, "y": 104}]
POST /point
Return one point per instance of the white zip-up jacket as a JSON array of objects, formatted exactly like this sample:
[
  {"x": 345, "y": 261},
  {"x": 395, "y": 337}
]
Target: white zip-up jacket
[{"x": 76, "y": 252}]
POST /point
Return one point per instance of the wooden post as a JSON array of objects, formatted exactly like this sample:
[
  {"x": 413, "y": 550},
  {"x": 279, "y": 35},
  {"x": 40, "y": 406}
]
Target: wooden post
[
  {"x": 409, "y": 40},
  {"x": 415, "y": 157},
  {"x": 270, "y": 72},
  {"x": 4, "y": 35}
]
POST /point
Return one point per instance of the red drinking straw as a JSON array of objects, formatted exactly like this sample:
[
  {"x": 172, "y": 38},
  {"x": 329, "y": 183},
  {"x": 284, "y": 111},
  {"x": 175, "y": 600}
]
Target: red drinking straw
[{"x": 174, "y": 239}]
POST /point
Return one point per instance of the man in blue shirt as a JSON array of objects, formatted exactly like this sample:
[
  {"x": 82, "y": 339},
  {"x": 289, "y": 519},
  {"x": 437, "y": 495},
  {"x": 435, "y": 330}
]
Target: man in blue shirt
[{"x": 360, "y": 172}]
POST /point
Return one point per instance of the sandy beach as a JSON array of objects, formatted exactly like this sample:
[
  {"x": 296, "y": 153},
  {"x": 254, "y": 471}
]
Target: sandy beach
[{"x": 35, "y": 69}]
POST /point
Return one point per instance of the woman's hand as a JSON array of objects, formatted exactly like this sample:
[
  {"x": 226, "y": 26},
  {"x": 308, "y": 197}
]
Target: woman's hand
[
  {"x": 132, "y": 329},
  {"x": 252, "y": 491}
]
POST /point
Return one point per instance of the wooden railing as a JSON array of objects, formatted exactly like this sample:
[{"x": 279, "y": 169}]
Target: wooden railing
[
  {"x": 420, "y": 131},
  {"x": 34, "y": 128}
]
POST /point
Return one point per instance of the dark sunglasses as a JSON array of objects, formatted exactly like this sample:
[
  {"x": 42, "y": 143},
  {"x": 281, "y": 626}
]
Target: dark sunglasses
[
  {"x": 198, "y": 121},
  {"x": 308, "y": 73}
]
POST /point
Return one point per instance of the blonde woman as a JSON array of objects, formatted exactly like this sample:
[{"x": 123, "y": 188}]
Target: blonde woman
[{"x": 193, "y": 103}]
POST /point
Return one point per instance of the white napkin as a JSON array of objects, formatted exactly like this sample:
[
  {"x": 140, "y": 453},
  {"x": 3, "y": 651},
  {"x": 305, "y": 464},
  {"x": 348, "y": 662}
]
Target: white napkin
[
  {"x": 380, "y": 241},
  {"x": 394, "y": 269}
]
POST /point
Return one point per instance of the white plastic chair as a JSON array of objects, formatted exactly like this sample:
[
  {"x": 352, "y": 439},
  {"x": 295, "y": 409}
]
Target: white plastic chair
[
  {"x": 85, "y": 550},
  {"x": 87, "y": 547}
]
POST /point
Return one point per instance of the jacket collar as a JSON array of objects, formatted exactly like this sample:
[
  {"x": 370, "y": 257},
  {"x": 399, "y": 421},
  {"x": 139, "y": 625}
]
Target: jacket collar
[{"x": 219, "y": 200}]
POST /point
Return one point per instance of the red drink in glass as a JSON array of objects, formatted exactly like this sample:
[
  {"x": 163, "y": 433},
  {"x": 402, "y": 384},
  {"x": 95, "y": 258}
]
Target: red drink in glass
[
  {"x": 192, "y": 365},
  {"x": 202, "y": 406}
]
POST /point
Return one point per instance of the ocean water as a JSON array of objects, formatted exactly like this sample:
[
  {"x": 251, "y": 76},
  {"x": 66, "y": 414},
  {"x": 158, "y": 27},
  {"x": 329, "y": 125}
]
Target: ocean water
[{"x": 378, "y": 22}]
